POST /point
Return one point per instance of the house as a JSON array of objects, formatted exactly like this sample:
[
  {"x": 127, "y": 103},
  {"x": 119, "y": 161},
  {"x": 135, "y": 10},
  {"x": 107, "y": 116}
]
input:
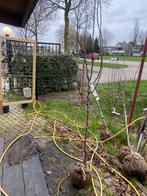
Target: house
[
  {"x": 130, "y": 49},
  {"x": 107, "y": 50},
  {"x": 117, "y": 50}
]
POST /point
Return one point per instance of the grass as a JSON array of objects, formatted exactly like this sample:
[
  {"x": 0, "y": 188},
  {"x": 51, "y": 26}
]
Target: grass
[
  {"x": 126, "y": 58},
  {"x": 14, "y": 98},
  {"x": 110, "y": 96},
  {"x": 106, "y": 65}
]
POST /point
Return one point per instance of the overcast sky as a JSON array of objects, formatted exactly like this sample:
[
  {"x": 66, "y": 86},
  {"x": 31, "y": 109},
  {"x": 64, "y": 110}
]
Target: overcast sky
[{"x": 118, "y": 18}]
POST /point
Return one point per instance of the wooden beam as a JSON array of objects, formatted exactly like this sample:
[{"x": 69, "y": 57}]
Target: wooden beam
[
  {"x": 1, "y": 88},
  {"x": 30, "y": 5},
  {"x": 16, "y": 12},
  {"x": 34, "y": 73},
  {"x": 17, "y": 39},
  {"x": 17, "y": 103},
  {"x": 12, "y": 19}
]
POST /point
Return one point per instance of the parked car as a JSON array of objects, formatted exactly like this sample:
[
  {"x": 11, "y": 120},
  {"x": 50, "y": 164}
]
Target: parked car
[{"x": 92, "y": 56}]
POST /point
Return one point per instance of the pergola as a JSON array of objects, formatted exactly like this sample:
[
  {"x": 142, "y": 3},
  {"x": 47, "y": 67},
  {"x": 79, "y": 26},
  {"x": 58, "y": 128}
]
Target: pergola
[{"x": 16, "y": 12}]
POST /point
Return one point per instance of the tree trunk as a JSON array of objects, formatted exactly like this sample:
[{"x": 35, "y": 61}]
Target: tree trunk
[
  {"x": 77, "y": 41},
  {"x": 66, "y": 33}
]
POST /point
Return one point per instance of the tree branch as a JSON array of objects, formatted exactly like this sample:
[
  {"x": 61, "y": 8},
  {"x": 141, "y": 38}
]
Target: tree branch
[
  {"x": 56, "y": 4},
  {"x": 76, "y": 6}
]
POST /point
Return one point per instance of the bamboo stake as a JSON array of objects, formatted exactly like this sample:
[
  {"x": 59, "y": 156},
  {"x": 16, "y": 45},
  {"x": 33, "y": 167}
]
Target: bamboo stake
[
  {"x": 137, "y": 84},
  {"x": 34, "y": 73}
]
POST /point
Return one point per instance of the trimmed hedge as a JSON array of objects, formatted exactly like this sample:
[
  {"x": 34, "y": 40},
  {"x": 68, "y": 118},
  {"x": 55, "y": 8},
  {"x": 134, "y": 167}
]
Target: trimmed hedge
[{"x": 54, "y": 72}]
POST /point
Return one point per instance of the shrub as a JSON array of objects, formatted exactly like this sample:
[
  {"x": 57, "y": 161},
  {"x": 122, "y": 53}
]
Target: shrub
[{"x": 54, "y": 72}]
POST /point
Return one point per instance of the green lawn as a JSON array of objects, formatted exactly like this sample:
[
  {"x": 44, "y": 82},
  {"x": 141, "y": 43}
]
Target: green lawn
[
  {"x": 110, "y": 96},
  {"x": 106, "y": 65},
  {"x": 126, "y": 58}
]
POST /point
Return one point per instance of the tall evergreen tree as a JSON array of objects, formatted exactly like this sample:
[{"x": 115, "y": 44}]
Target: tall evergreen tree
[
  {"x": 89, "y": 45},
  {"x": 96, "y": 45}
]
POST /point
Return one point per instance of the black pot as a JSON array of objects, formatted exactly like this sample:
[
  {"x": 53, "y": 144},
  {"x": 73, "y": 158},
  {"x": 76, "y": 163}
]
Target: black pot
[
  {"x": 5, "y": 109},
  {"x": 24, "y": 105}
]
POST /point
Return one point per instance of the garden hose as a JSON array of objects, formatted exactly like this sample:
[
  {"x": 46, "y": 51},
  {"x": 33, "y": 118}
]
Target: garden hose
[
  {"x": 91, "y": 166},
  {"x": 101, "y": 141},
  {"x": 60, "y": 183},
  {"x": 118, "y": 173},
  {"x": 129, "y": 182},
  {"x": 37, "y": 112},
  {"x": 17, "y": 138},
  {"x": 77, "y": 159},
  {"x": 62, "y": 137},
  {"x": 106, "y": 141}
]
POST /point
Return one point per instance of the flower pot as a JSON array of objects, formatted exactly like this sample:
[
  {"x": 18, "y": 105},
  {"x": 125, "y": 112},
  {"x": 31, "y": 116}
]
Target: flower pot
[
  {"x": 5, "y": 109},
  {"x": 24, "y": 105}
]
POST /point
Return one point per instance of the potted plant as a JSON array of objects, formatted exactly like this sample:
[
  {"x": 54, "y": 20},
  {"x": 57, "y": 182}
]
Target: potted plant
[{"x": 6, "y": 109}]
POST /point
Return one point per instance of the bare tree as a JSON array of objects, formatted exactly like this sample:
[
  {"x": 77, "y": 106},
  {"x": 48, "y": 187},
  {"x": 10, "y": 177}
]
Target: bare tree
[
  {"x": 67, "y": 6},
  {"x": 141, "y": 38},
  {"x": 91, "y": 87},
  {"x": 72, "y": 36},
  {"x": 80, "y": 18},
  {"x": 136, "y": 30},
  {"x": 25, "y": 32},
  {"x": 107, "y": 37},
  {"x": 37, "y": 25}
]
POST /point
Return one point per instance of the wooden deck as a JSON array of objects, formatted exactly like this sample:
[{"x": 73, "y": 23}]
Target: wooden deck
[{"x": 21, "y": 173}]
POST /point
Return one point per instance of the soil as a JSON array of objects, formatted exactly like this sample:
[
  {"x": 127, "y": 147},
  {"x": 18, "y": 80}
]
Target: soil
[{"x": 56, "y": 166}]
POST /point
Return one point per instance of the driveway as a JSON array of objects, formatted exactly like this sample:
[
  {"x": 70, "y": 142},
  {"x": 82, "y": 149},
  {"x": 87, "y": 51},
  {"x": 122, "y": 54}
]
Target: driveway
[{"x": 123, "y": 74}]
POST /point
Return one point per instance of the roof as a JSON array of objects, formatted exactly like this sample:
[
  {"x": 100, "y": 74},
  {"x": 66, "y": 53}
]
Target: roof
[{"x": 16, "y": 12}]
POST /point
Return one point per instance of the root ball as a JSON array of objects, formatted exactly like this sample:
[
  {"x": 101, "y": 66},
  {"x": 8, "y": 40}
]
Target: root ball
[{"x": 80, "y": 177}]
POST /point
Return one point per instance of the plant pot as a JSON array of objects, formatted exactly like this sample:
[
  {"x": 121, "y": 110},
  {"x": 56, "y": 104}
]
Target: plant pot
[
  {"x": 5, "y": 109},
  {"x": 24, "y": 105}
]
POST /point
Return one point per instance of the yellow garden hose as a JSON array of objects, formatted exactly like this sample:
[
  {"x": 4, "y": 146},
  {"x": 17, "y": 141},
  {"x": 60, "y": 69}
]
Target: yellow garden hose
[
  {"x": 129, "y": 182},
  {"x": 60, "y": 183},
  {"x": 75, "y": 158},
  {"x": 106, "y": 141},
  {"x": 102, "y": 141},
  {"x": 36, "y": 113},
  {"x": 17, "y": 138}
]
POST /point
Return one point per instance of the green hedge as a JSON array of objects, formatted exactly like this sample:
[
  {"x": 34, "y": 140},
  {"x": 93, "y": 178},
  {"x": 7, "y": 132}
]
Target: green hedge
[{"x": 54, "y": 72}]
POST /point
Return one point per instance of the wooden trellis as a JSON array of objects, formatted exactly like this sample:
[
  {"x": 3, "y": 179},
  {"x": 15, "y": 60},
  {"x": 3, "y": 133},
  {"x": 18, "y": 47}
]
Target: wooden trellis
[{"x": 16, "y": 47}]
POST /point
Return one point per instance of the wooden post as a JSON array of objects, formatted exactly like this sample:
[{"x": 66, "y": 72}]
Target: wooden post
[
  {"x": 34, "y": 73},
  {"x": 1, "y": 88},
  {"x": 137, "y": 84}
]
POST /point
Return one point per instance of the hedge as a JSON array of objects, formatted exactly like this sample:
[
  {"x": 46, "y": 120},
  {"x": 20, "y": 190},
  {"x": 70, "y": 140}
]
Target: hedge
[{"x": 54, "y": 72}]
